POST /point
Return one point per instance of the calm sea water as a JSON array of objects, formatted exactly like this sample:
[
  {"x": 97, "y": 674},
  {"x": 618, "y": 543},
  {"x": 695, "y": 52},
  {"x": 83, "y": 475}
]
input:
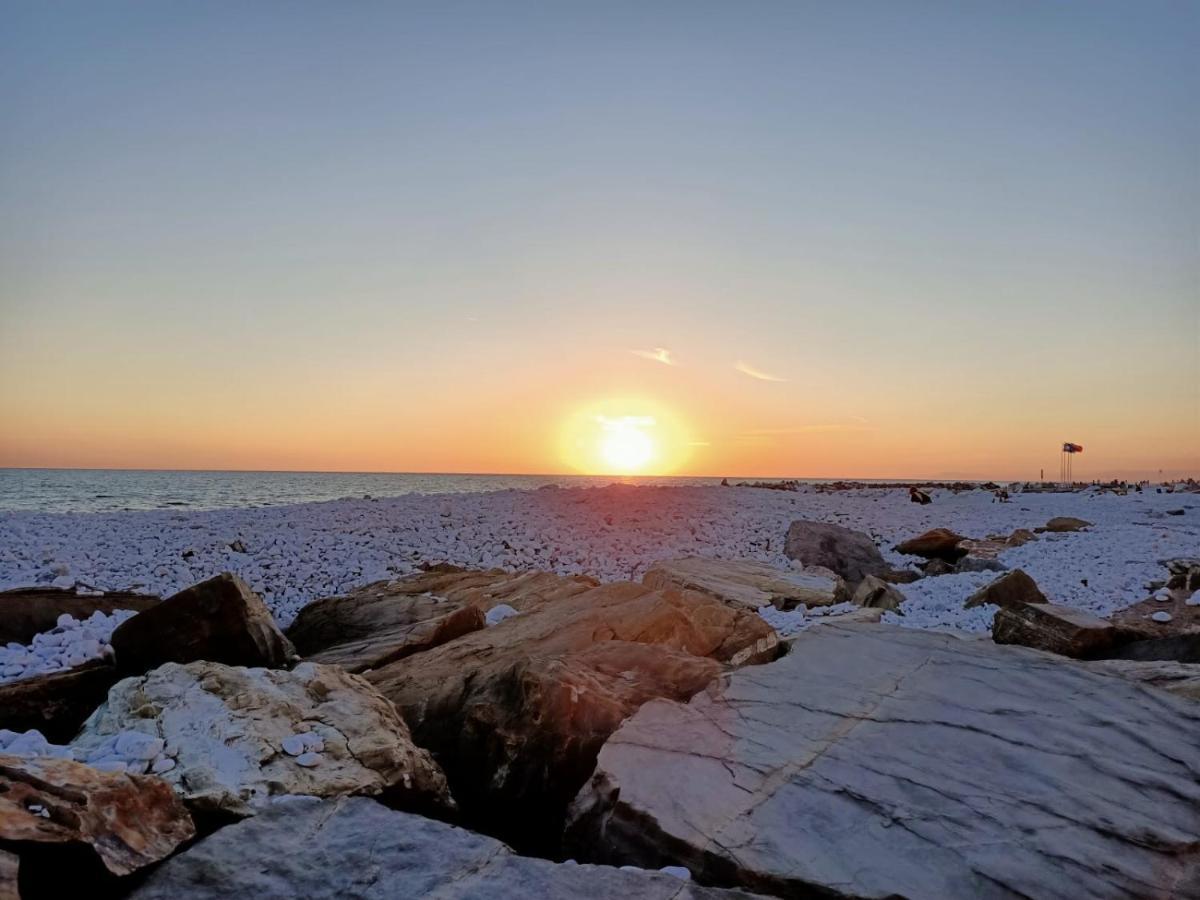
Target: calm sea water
[{"x": 107, "y": 490}]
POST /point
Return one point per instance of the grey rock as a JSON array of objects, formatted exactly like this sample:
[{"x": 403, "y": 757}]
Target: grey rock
[
  {"x": 1167, "y": 675},
  {"x": 354, "y": 847},
  {"x": 874, "y": 593},
  {"x": 875, "y": 762},
  {"x": 850, "y": 554},
  {"x": 230, "y": 723}
]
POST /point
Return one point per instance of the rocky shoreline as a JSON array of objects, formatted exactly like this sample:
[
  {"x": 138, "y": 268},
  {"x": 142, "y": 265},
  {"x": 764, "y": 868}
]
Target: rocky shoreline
[{"x": 715, "y": 727}]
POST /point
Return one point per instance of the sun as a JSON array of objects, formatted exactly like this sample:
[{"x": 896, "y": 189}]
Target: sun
[
  {"x": 624, "y": 436},
  {"x": 626, "y": 445}
]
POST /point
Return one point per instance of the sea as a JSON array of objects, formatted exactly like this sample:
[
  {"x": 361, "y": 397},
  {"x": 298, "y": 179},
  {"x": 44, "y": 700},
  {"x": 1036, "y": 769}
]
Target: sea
[{"x": 112, "y": 490}]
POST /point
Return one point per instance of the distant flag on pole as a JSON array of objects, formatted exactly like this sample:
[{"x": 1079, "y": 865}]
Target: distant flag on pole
[{"x": 1072, "y": 448}]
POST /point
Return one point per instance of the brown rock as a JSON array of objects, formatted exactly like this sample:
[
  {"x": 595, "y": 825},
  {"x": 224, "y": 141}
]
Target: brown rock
[
  {"x": 875, "y": 593},
  {"x": 986, "y": 549},
  {"x": 747, "y": 583},
  {"x": 940, "y": 543},
  {"x": 1057, "y": 629},
  {"x": 219, "y": 620},
  {"x": 56, "y": 704},
  {"x": 386, "y": 621},
  {"x": 1020, "y": 537},
  {"x": 25, "y": 612},
  {"x": 1136, "y": 623},
  {"x": 901, "y": 576},
  {"x": 1013, "y": 588},
  {"x": 516, "y": 713},
  {"x": 130, "y": 821},
  {"x": 1063, "y": 524}
]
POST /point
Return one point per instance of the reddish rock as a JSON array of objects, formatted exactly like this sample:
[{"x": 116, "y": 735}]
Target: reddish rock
[
  {"x": 219, "y": 620},
  {"x": 1020, "y": 537},
  {"x": 516, "y": 713},
  {"x": 1054, "y": 628},
  {"x": 25, "y": 612},
  {"x": 748, "y": 583},
  {"x": 9, "y": 870},
  {"x": 56, "y": 704},
  {"x": 940, "y": 543},
  {"x": 387, "y": 621},
  {"x": 1013, "y": 588},
  {"x": 130, "y": 821}
]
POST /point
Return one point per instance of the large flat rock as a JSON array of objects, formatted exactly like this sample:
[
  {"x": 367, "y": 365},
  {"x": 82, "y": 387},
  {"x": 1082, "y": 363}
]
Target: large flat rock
[
  {"x": 389, "y": 620},
  {"x": 355, "y": 847},
  {"x": 516, "y": 713},
  {"x": 237, "y": 730},
  {"x": 748, "y": 583},
  {"x": 25, "y": 612},
  {"x": 876, "y": 762}
]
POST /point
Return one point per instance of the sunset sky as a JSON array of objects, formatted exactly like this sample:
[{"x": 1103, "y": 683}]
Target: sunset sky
[{"x": 898, "y": 239}]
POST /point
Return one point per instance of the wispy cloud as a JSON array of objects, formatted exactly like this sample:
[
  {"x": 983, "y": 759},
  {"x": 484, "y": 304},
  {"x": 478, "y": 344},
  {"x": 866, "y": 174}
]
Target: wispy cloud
[
  {"x": 746, "y": 369},
  {"x": 658, "y": 355}
]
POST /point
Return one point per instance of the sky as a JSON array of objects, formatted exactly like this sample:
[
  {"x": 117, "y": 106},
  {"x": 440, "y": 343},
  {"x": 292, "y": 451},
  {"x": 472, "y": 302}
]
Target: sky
[{"x": 896, "y": 239}]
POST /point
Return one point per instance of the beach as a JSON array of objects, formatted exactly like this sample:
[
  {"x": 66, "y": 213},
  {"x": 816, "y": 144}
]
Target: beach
[{"x": 295, "y": 554}]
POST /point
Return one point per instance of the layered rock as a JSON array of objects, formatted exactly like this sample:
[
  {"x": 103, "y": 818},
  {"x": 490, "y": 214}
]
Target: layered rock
[
  {"x": 58, "y": 703},
  {"x": 874, "y": 593},
  {"x": 357, "y": 848},
  {"x": 386, "y": 621},
  {"x": 747, "y": 583},
  {"x": 25, "y": 612},
  {"x": 1054, "y": 628},
  {"x": 938, "y": 543},
  {"x": 130, "y": 821},
  {"x": 1178, "y": 678},
  {"x": 516, "y": 713},
  {"x": 244, "y": 736},
  {"x": 850, "y": 554},
  {"x": 874, "y": 762},
  {"x": 219, "y": 620},
  {"x": 1013, "y": 588}
]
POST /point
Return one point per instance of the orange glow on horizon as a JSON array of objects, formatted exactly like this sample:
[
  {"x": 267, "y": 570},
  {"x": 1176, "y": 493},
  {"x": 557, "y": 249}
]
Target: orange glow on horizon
[{"x": 624, "y": 436}]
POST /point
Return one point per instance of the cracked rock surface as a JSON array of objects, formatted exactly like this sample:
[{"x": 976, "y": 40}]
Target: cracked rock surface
[
  {"x": 355, "y": 847},
  {"x": 229, "y": 725},
  {"x": 885, "y": 762}
]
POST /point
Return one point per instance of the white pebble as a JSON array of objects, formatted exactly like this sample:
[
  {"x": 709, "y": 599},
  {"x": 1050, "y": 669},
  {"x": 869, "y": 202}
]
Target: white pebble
[
  {"x": 1161, "y": 616},
  {"x": 308, "y": 760}
]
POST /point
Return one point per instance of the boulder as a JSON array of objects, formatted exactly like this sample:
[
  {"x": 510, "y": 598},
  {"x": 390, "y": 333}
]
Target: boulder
[
  {"x": 939, "y": 543},
  {"x": 1013, "y": 588},
  {"x": 237, "y": 731},
  {"x": 874, "y": 593},
  {"x": 747, "y": 583},
  {"x": 130, "y": 821},
  {"x": 1184, "y": 648},
  {"x": 1020, "y": 537},
  {"x": 1167, "y": 675},
  {"x": 56, "y": 704},
  {"x": 516, "y": 713},
  {"x": 1064, "y": 524},
  {"x": 1054, "y": 628},
  {"x": 219, "y": 620},
  {"x": 386, "y": 621},
  {"x": 354, "y": 847},
  {"x": 850, "y": 554},
  {"x": 10, "y": 867},
  {"x": 25, "y": 612},
  {"x": 937, "y": 567},
  {"x": 1136, "y": 622},
  {"x": 883, "y": 762}
]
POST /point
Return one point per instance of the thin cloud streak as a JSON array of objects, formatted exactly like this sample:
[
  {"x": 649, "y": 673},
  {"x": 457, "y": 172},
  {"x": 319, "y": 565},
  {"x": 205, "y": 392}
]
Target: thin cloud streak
[
  {"x": 746, "y": 369},
  {"x": 658, "y": 355}
]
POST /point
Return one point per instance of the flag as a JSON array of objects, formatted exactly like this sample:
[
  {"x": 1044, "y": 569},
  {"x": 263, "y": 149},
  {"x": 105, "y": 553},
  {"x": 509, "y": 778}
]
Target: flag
[{"x": 1072, "y": 448}]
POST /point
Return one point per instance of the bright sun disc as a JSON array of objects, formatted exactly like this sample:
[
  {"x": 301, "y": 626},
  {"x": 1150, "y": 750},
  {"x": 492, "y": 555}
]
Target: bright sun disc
[{"x": 626, "y": 447}]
